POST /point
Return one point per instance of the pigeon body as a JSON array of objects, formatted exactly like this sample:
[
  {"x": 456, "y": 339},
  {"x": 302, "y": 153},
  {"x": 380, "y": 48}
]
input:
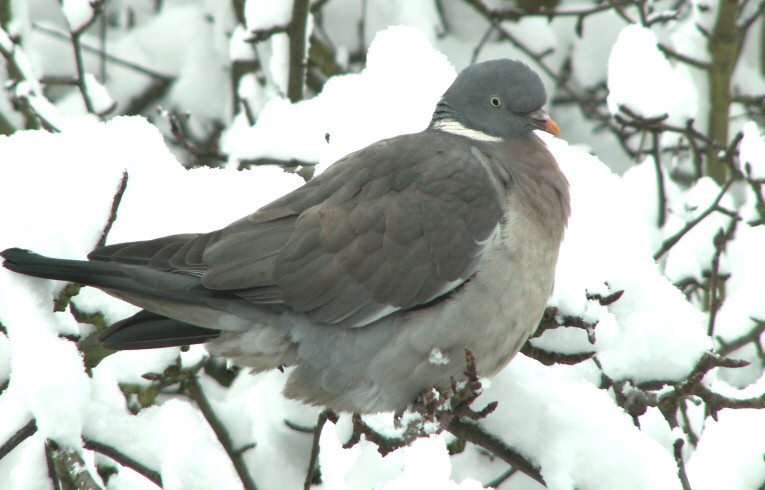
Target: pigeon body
[{"x": 374, "y": 277}]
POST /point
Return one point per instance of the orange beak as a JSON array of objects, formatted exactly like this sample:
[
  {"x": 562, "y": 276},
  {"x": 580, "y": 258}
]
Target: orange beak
[
  {"x": 552, "y": 128},
  {"x": 542, "y": 121}
]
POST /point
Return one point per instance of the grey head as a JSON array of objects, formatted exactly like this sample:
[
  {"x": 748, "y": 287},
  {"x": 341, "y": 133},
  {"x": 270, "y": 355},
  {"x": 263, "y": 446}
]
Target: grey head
[{"x": 495, "y": 100}]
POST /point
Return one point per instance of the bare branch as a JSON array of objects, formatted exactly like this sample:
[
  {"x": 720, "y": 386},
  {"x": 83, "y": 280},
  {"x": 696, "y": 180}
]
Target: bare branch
[
  {"x": 715, "y": 284},
  {"x": 123, "y": 460},
  {"x": 110, "y": 57},
  {"x": 20, "y": 436},
  {"x": 198, "y": 395},
  {"x": 264, "y": 34},
  {"x": 69, "y": 468},
  {"x": 471, "y": 432},
  {"x": 680, "y": 461},
  {"x": 176, "y": 128},
  {"x": 549, "y": 358},
  {"x": 325, "y": 415},
  {"x": 747, "y": 23},
  {"x": 672, "y": 241},
  {"x": 702, "y": 65},
  {"x": 660, "y": 186},
  {"x": 297, "y": 34},
  {"x": 116, "y": 200},
  {"x": 752, "y": 336},
  {"x": 516, "y": 13}
]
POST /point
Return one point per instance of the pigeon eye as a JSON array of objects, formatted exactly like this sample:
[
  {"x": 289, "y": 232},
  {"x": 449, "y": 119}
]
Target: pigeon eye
[{"x": 495, "y": 101}]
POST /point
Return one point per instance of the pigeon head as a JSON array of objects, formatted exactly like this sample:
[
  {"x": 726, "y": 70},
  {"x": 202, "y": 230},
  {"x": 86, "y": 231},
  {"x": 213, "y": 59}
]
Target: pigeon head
[{"x": 494, "y": 100}]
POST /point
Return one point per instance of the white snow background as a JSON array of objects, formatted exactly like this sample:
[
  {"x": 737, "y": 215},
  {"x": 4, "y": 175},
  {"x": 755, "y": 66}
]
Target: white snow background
[{"x": 56, "y": 192}]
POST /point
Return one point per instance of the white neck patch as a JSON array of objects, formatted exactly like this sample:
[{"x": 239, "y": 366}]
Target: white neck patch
[{"x": 454, "y": 127}]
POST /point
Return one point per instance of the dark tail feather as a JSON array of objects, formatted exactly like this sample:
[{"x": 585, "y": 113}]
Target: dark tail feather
[
  {"x": 118, "y": 278},
  {"x": 146, "y": 330},
  {"x": 79, "y": 271}
]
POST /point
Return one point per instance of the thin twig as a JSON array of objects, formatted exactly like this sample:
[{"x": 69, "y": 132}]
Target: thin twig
[
  {"x": 82, "y": 83},
  {"x": 443, "y": 21},
  {"x": 297, "y": 35},
  {"x": 24, "y": 85},
  {"x": 116, "y": 200},
  {"x": 20, "y": 436},
  {"x": 660, "y": 186},
  {"x": 110, "y": 57},
  {"x": 264, "y": 34},
  {"x": 687, "y": 428},
  {"x": 548, "y": 358},
  {"x": 501, "y": 478},
  {"x": 753, "y": 335},
  {"x": 720, "y": 240},
  {"x": 124, "y": 460},
  {"x": 671, "y": 241},
  {"x": 541, "y": 11},
  {"x": 101, "y": 48},
  {"x": 325, "y": 415},
  {"x": 669, "y": 402},
  {"x": 176, "y": 128},
  {"x": 70, "y": 469},
  {"x": 235, "y": 455},
  {"x": 76, "y": 34},
  {"x": 471, "y": 432},
  {"x": 702, "y": 65},
  {"x": 477, "y": 50},
  {"x": 51, "y": 465},
  {"x": 680, "y": 461},
  {"x": 747, "y": 23}
]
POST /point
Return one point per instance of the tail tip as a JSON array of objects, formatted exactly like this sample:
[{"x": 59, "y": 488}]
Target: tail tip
[{"x": 15, "y": 254}]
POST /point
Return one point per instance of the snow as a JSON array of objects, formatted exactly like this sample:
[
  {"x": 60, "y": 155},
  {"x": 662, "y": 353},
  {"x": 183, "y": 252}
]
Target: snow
[
  {"x": 641, "y": 78},
  {"x": 437, "y": 357},
  {"x": 571, "y": 428},
  {"x": 593, "y": 256},
  {"x": 57, "y": 190},
  {"x": 427, "y": 465},
  {"x": 98, "y": 95},
  {"x": 692, "y": 255},
  {"x": 5, "y": 358},
  {"x": 159, "y": 187},
  {"x": 743, "y": 307},
  {"x": 173, "y": 438},
  {"x": 265, "y": 14},
  {"x": 740, "y": 466},
  {"x": 404, "y": 74},
  {"x": 239, "y": 48},
  {"x": 278, "y": 66},
  {"x": 78, "y": 13},
  {"x": 6, "y": 44},
  {"x": 56, "y": 391},
  {"x": 753, "y": 151}
]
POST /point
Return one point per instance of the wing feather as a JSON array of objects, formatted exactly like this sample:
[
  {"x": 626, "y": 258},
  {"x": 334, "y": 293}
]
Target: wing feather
[{"x": 390, "y": 227}]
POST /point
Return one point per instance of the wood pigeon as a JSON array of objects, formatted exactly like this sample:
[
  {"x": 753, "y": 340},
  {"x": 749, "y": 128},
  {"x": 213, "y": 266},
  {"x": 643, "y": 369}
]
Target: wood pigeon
[{"x": 374, "y": 277}]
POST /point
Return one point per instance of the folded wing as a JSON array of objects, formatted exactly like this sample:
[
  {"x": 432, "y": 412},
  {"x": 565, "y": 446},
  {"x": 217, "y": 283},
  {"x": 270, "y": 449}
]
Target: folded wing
[{"x": 390, "y": 227}]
